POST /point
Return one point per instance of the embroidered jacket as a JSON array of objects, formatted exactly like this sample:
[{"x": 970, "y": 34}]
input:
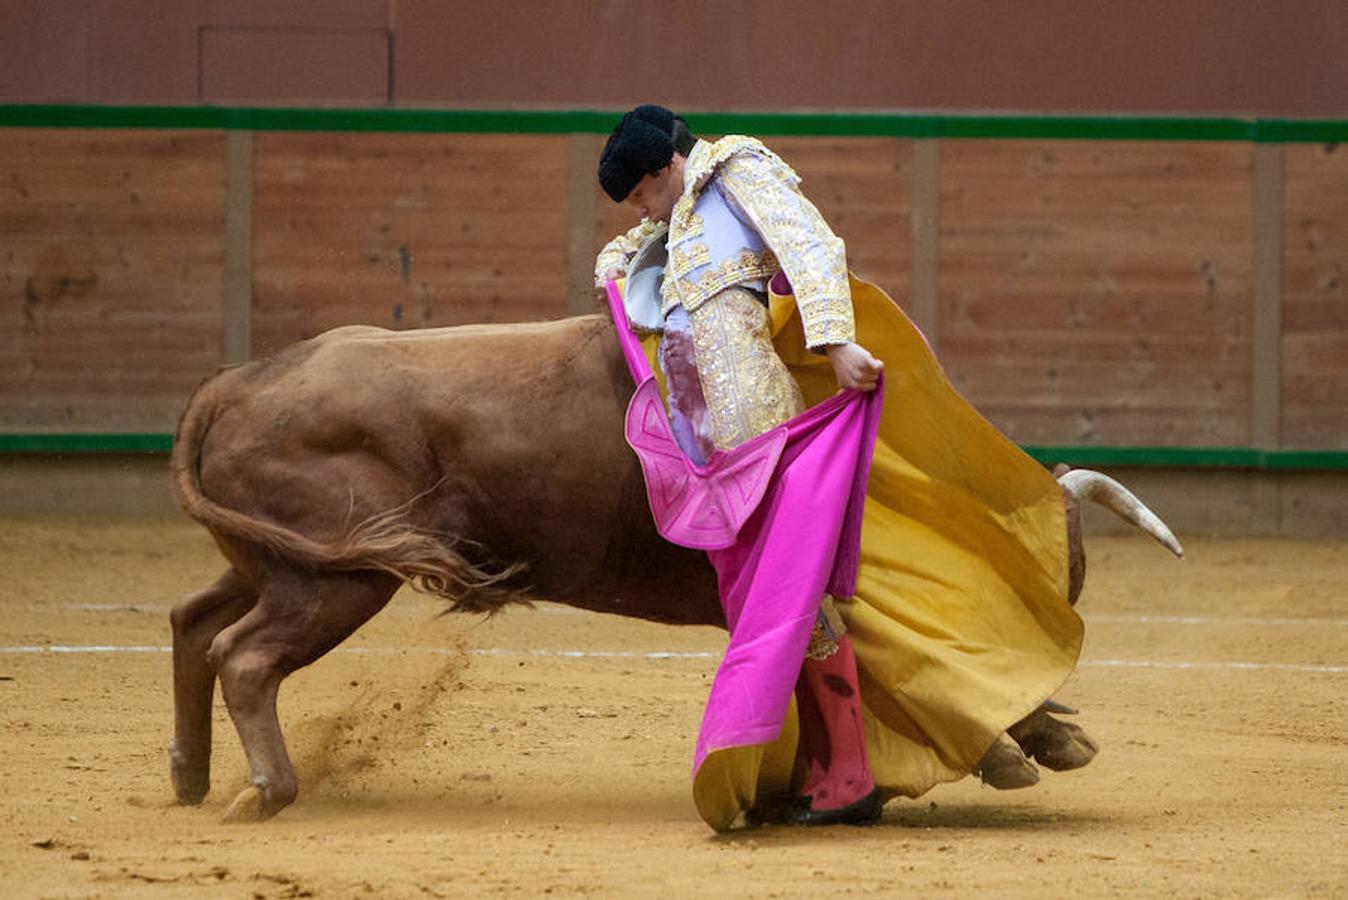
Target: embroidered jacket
[{"x": 741, "y": 219}]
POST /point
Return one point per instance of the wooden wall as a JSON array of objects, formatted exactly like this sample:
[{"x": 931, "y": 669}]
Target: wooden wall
[
  {"x": 1079, "y": 292},
  {"x": 405, "y": 231},
  {"x": 110, "y": 276},
  {"x": 1099, "y": 293}
]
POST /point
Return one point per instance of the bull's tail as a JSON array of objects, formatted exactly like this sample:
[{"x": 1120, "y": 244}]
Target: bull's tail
[
  {"x": 1088, "y": 485},
  {"x": 385, "y": 542}
]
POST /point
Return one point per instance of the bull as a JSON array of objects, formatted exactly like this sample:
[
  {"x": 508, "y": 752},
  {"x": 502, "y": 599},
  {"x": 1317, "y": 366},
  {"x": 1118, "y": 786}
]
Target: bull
[{"x": 484, "y": 464}]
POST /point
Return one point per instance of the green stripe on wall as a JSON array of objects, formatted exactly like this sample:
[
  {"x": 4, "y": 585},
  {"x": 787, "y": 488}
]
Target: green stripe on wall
[
  {"x": 1127, "y": 128},
  {"x": 86, "y": 443},
  {"x": 1189, "y": 457},
  {"x": 1160, "y": 457}
]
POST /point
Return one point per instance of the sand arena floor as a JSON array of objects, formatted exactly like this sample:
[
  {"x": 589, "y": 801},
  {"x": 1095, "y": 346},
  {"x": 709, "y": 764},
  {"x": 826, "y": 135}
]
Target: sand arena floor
[{"x": 546, "y": 752}]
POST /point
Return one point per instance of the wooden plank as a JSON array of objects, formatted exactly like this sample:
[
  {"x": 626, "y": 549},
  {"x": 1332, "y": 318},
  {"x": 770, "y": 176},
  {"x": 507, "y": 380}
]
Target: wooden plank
[
  {"x": 925, "y": 221},
  {"x": 1266, "y": 295},
  {"x": 1314, "y": 401},
  {"x": 237, "y": 298},
  {"x": 1266, "y": 340},
  {"x": 582, "y": 165}
]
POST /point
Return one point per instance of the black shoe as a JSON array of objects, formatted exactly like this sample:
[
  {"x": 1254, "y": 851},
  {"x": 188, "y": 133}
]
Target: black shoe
[{"x": 865, "y": 811}]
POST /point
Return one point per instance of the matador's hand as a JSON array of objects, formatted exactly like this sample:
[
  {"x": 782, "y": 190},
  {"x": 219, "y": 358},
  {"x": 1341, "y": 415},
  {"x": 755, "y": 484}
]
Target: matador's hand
[
  {"x": 601, "y": 281},
  {"x": 854, "y": 366}
]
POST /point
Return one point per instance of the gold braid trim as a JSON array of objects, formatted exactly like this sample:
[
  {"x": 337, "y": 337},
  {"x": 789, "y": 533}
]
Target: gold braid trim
[
  {"x": 828, "y": 627},
  {"x": 744, "y": 266},
  {"x": 706, "y": 158},
  {"x": 815, "y": 259},
  {"x": 618, "y": 253}
]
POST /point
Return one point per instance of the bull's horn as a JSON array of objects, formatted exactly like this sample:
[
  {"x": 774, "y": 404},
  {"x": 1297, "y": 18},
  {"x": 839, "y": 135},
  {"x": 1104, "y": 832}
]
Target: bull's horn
[{"x": 1089, "y": 485}]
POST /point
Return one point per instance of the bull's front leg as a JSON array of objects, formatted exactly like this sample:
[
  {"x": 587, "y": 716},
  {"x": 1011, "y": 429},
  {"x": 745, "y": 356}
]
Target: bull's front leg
[{"x": 1051, "y": 742}]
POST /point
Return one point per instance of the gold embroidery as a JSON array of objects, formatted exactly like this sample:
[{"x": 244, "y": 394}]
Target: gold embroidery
[
  {"x": 747, "y": 387},
  {"x": 744, "y": 266},
  {"x": 767, "y": 191},
  {"x": 828, "y": 627},
  {"x": 706, "y": 158},
  {"x": 814, "y": 258},
  {"x": 686, "y": 257},
  {"x": 822, "y": 645},
  {"x": 617, "y": 253}
]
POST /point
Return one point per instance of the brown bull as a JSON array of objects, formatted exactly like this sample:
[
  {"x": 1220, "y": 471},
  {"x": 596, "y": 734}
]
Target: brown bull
[{"x": 482, "y": 463}]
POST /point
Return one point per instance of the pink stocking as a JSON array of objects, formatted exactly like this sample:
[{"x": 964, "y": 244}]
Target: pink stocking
[{"x": 832, "y": 735}]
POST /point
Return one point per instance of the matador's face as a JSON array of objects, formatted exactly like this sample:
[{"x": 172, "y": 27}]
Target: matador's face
[{"x": 655, "y": 194}]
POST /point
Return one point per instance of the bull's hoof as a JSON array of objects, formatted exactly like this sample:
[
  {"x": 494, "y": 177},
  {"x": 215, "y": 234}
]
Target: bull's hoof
[
  {"x": 1005, "y": 767},
  {"x": 1055, "y": 744},
  {"x": 249, "y": 806},
  {"x": 191, "y": 783},
  {"x": 190, "y": 793}
]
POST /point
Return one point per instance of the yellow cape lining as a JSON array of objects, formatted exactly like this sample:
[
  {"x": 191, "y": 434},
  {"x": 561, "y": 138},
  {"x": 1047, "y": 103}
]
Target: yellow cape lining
[{"x": 961, "y": 623}]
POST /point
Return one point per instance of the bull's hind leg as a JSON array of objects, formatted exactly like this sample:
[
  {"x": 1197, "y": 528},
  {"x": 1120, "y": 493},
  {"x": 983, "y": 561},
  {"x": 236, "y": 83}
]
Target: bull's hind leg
[
  {"x": 196, "y": 621},
  {"x": 296, "y": 620}
]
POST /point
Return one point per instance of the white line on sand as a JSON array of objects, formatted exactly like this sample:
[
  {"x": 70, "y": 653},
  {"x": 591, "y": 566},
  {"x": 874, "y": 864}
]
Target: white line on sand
[
  {"x": 1180, "y": 664},
  {"x": 57, "y": 649},
  {"x": 1148, "y": 619},
  {"x": 1118, "y": 618}
]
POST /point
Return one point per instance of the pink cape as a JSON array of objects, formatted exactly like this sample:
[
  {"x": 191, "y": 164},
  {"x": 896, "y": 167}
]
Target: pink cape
[{"x": 780, "y": 519}]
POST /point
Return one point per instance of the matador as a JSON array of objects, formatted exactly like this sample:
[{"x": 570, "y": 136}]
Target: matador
[{"x": 739, "y": 235}]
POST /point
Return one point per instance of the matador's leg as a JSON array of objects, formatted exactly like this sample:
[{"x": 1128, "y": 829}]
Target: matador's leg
[
  {"x": 838, "y": 784},
  {"x": 748, "y": 391}
]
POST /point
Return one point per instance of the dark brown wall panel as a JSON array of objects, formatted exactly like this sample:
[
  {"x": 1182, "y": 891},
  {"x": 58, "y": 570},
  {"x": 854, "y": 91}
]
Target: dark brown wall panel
[
  {"x": 43, "y": 51},
  {"x": 1098, "y": 293},
  {"x": 144, "y": 51},
  {"x": 1265, "y": 57},
  {"x": 366, "y": 14},
  {"x": 1315, "y": 298},
  {"x": 111, "y": 261},
  {"x": 1144, "y": 56},
  {"x": 257, "y": 65},
  {"x": 406, "y": 231}
]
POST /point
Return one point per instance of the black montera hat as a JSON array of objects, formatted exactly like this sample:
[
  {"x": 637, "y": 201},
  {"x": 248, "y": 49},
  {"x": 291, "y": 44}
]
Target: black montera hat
[
  {"x": 637, "y": 147},
  {"x": 658, "y": 116}
]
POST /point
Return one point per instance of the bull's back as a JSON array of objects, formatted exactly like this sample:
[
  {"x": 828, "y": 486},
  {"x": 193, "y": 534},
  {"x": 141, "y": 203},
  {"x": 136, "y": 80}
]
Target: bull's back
[
  {"x": 381, "y": 405},
  {"x": 509, "y": 435}
]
